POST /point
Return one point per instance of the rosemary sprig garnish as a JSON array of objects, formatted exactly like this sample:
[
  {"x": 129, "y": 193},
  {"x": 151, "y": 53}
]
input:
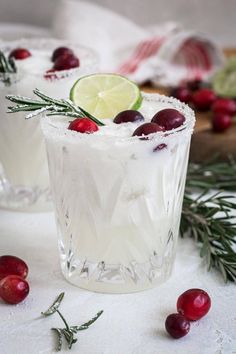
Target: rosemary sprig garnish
[
  {"x": 67, "y": 332},
  {"x": 209, "y": 219},
  {"x": 49, "y": 105},
  {"x": 7, "y": 66}
]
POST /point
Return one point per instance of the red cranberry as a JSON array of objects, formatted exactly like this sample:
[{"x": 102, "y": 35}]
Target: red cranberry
[
  {"x": 169, "y": 118},
  {"x": 61, "y": 51},
  {"x": 193, "y": 304},
  {"x": 13, "y": 289},
  {"x": 128, "y": 116},
  {"x": 160, "y": 147},
  {"x": 194, "y": 85},
  {"x": 147, "y": 128},
  {"x": 203, "y": 99},
  {"x": 177, "y": 325},
  {"x": 20, "y": 53},
  {"x": 66, "y": 62},
  {"x": 11, "y": 265},
  {"x": 83, "y": 125},
  {"x": 221, "y": 122},
  {"x": 182, "y": 93},
  {"x": 224, "y": 105},
  {"x": 50, "y": 74}
]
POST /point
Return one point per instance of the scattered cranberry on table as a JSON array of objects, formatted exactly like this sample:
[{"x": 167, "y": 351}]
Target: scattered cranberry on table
[
  {"x": 61, "y": 51},
  {"x": 20, "y": 53},
  {"x": 11, "y": 265},
  {"x": 224, "y": 105},
  {"x": 194, "y": 85},
  {"x": 191, "y": 305},
  {"x": 177, "y": 325},
  {"x": 83, "y": 125},
  {"x": 203, "y": 99},
  {"x": 183, "y": 94},
  {"x": 13, "y": 289},
  {"x": 66, "y": 62},
  {"x": 221, "y": 122},
  {"x": 169, "y": 118},
  {"x": 128, "y": 116},
  {"x": 194, "y": 304},
  {"x": 13, "y": 286}
]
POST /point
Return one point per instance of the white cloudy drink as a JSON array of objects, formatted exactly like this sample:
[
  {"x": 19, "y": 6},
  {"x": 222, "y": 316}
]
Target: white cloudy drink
[
  {"x": 25, "y": 182},
  {"x": 118, "y": 198}
]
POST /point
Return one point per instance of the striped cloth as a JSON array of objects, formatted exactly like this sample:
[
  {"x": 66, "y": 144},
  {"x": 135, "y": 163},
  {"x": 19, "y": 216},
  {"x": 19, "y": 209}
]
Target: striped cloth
[{"x": 165, "y": 54}]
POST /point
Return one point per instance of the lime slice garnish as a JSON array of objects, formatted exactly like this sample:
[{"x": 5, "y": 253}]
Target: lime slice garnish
[
  {"x": 224, "y": 81},
  {"x": 105, "y": 95}
]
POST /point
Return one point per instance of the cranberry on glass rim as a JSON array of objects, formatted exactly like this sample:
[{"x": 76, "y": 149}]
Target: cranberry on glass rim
[
  {"x": 177, "y": 325},
  {"x": 61, "y": 51},
  {"x": 203, "y": 99},
  {"x": 221, "y": 122},
  {"x": 83, "y": 125},
  {"x": 66, "y": 62},
  {"x": 224, "y": 105},
  {"x": 194, "y": 304},
  {"x": 20, "y": 53},
  {"x": 169, "y": 118},
  {"x": 13, "y": 289},
  {"x": 146, "y": 129},
  {"x": 128, "y": 116},
  {"x": 11, "y": 265}
]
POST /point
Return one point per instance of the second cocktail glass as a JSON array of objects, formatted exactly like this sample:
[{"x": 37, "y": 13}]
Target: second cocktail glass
[{"x": 24, "y": 181}]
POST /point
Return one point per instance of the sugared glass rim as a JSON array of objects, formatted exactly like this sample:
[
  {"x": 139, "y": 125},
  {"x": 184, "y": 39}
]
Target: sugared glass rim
[
  {"x": 52, "y": 130},
  {"x": 87, "y": 54}
]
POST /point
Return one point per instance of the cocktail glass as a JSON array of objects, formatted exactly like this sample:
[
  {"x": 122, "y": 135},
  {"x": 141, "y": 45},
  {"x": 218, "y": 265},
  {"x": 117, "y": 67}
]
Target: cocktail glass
[
  {"x": 24, "y": 181},
  {"x": 118, "y": 200}
]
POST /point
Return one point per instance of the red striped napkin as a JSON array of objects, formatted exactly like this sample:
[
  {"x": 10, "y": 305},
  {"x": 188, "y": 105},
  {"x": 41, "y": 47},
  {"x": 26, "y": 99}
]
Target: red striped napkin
[{"x": 165, "y": 54}]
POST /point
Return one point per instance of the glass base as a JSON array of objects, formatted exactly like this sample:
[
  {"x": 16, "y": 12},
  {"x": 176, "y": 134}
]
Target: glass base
[
  {"x": 119, "y": 278},
  {"x": 20, "y": 198}
]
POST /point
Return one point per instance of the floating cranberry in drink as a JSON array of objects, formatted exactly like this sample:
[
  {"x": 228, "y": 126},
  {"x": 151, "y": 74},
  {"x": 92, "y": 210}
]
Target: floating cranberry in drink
[
  {"x": 169, "y": 118},
  {"x": 83, "y": 125},
  {"x": 128, "y": 116},
  {"x": 20, "y": 53},
  {"x": 58, "y": 52}
]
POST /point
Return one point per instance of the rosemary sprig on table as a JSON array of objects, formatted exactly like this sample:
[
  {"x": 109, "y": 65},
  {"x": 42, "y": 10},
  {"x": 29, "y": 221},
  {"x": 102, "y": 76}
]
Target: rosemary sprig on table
[
  {"x": 7, "y": 66},
  {"x": 51, "y": 106},
  {"x": 212, "y": 174},
  {"x": 68, "y": 331},
  {"x": 209, "y": 219}
]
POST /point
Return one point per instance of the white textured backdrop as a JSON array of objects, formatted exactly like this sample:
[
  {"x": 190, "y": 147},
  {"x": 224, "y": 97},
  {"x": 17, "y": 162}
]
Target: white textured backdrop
[{"x": 216, "y": 17}]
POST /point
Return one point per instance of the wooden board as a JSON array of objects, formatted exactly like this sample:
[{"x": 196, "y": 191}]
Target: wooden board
[{"x": 206, "y": 143}]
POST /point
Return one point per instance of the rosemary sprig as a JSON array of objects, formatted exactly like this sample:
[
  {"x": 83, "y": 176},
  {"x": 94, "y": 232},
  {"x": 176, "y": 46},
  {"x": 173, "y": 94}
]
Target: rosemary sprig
[
  {"x": 212, "y": 174},
  {"x": 7, "y": 66},
  {"x": 49, "y": 105},
  {"x": 209, "y": 219},
  {"x": 67, "y": 332}
]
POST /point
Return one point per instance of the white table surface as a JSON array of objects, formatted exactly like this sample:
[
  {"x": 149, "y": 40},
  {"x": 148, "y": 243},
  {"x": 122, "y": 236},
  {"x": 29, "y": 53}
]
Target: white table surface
[{"x": 131, "y": 324}]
